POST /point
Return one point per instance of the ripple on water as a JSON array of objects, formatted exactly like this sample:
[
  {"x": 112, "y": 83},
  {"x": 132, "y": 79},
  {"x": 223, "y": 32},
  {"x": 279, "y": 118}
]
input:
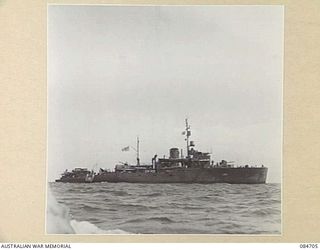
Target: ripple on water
[{"x": 175, "y": 208}]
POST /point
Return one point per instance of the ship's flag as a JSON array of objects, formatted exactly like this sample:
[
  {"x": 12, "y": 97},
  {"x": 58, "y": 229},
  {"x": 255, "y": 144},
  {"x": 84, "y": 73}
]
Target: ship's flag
[{"x": 125, "y": 149}]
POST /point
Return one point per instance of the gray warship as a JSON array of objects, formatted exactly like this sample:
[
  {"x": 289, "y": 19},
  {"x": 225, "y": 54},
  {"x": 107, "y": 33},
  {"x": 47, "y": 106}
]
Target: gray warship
[{"x": 195, "y": 167}]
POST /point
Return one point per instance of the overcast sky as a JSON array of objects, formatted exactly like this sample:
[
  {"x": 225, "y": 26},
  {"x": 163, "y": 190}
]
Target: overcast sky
[{"x": 115, "y": 72}]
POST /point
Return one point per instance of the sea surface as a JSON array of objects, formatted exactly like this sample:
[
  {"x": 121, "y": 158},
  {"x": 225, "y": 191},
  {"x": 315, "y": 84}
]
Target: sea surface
[{"x": 171, "y": 208}]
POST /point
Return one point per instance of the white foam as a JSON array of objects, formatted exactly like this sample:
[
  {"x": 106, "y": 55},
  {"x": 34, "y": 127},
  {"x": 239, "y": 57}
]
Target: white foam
[{"x": 59, "y": 221}]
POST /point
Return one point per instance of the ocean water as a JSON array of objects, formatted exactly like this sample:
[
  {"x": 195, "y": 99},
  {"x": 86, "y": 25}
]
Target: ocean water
[{"x": 164, "y": 208}]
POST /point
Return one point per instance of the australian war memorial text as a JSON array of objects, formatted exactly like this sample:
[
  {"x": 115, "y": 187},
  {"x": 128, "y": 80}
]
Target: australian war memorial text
[{"x": 35, "y": 245}]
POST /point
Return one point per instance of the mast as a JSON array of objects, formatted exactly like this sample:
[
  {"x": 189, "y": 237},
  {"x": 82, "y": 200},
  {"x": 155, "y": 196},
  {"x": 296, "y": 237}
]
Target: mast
[
  {"x": 188, "y": 133},
  {"x": 138, "y": 159}
]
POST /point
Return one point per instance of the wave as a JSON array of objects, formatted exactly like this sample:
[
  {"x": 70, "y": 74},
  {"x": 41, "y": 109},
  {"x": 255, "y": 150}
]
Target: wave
[
  {"x": 90, "y": 208},
  {"x": 133, "y": 206},
  {"x": 265, "y": 211},
  {"x": 161, "y": 219},
  {"x": 59, "y": 221},
  {"x": 119, "y": 193},
  {"x": 152, "y": 195},
  {"x": 85, "y": 227}
]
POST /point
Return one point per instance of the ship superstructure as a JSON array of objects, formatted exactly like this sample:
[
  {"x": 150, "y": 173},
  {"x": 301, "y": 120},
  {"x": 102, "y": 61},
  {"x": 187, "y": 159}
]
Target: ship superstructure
[{"x": 77, "y": 175}]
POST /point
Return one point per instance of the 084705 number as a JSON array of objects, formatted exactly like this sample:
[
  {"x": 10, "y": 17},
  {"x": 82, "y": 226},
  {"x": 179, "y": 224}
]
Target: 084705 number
[{"x": 305, "y": 245}]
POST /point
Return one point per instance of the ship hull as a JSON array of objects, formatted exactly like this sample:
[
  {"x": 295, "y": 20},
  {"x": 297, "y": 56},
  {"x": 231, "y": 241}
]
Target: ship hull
[
  {"x": 72, "y": 180},
  {"x": 75, "y": 180},
  {"x": 191, "y": 175}
]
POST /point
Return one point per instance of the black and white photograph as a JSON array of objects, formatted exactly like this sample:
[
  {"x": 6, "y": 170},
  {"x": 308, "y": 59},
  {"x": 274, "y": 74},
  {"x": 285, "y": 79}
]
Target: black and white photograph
[{"x": 164, "y": 119}]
